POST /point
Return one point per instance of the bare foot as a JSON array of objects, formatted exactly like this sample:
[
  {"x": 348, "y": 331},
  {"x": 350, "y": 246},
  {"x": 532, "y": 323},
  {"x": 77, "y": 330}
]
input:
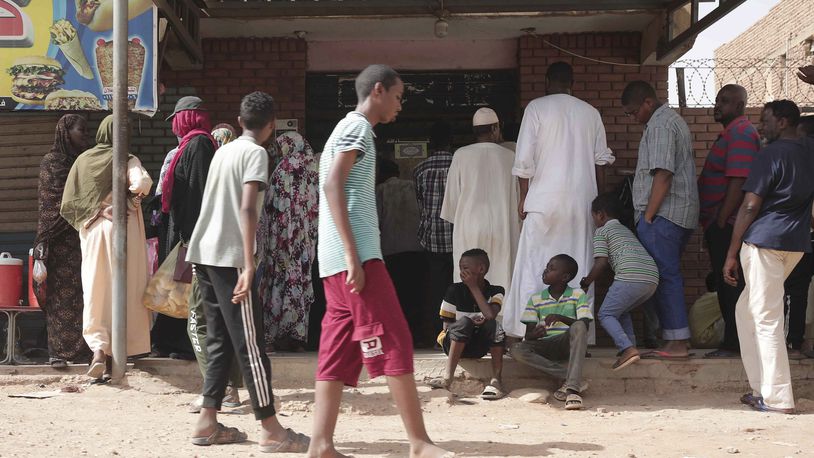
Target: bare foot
[
  {"x": 325, "y": 452},
  {"x": 429, "y": 450},
  {"x": 676, "y": 347}
]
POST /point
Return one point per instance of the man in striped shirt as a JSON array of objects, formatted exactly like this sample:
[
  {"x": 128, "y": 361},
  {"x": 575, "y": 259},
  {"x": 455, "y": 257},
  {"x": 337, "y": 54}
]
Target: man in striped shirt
[
  {"x": 557, "y": 320},
  {"x": 363, "y": 322},
  {"x": 635, "y": 275},
  {"x": 720, "y": 191}
]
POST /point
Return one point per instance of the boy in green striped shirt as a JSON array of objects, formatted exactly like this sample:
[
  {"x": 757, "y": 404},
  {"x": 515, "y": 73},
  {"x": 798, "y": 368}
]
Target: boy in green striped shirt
[
  {"x": 557, "y": 320},
  {"x": 636, "y": 276}
]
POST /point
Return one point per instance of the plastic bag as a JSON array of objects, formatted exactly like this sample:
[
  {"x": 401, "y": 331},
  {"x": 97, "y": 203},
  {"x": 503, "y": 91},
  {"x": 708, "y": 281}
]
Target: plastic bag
[
  {"x": 40, "y": 273},
  {"x": 152, "y": 254},
  {"x": 163, "y": 294}
]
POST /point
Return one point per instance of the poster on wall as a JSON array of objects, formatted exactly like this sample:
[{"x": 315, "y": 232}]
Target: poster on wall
[{"x": 58, "y": 55}]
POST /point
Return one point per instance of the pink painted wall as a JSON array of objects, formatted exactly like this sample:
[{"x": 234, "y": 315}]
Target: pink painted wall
[{"x": 324, "y": 56}]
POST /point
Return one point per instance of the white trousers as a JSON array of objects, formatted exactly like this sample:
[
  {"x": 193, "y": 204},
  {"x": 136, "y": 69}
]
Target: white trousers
[{"x": 760, "y": 319}]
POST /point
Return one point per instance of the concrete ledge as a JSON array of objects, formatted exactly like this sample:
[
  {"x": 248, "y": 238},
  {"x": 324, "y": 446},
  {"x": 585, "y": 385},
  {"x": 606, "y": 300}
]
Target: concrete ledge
[{"x": 296, "y": 370}]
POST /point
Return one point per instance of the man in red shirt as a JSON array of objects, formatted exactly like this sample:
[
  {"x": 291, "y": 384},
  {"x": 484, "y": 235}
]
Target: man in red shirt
[{"x": 719, "y": 190}]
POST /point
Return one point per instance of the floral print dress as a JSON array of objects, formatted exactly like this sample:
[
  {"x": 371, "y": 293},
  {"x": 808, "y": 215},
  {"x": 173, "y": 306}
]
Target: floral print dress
[{"x": 286, "y": 241}]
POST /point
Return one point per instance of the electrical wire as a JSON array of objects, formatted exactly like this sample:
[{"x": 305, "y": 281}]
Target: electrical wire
[{"x": 620, "y": 64}]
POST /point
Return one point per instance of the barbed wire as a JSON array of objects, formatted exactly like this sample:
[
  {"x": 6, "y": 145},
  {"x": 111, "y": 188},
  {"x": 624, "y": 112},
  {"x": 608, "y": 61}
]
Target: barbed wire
[{"x": 698, "y": 80}]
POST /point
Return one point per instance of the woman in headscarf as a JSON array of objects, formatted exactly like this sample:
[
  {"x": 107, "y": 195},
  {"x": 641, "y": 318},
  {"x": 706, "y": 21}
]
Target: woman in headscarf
[
  {"x": 87, "y": 206},
  {"x": 224, "y": 133},
  {"x": 286, "y": 242},
  {"x": 181, "y": 196},
  {"x": 57, "y": 246}
]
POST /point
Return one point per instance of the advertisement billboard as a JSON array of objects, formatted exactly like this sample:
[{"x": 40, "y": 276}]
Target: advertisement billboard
[{"x": 58, "y": 55}]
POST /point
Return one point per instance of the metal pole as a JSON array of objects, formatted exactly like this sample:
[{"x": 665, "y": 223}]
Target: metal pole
[{"x": 120, "y": 189}]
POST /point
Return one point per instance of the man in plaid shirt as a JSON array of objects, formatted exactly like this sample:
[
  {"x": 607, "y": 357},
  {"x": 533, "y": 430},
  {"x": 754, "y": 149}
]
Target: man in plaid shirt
[{"x": 435, "y": 234}]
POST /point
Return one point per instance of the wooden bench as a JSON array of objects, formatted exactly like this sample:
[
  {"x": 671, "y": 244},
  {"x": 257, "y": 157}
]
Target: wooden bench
[{"x": 11, "y": 341}]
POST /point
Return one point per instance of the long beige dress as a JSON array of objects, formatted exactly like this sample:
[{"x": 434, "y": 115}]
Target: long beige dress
[{"x": 96, "y": 239}]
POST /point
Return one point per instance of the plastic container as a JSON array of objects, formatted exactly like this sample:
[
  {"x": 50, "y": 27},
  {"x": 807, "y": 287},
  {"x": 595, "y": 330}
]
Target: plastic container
[
  {"x": 32, "y": 298},
  {"x": 11, "y": 280}
]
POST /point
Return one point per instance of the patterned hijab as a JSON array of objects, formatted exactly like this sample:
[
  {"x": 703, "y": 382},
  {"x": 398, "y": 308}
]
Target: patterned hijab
[
  {"x": 223, "y": 134},
  {"x": 54, "y": 170}
]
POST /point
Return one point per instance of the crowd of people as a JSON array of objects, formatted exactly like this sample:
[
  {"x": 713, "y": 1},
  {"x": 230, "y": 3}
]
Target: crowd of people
[{"x": 522, "y": 226}]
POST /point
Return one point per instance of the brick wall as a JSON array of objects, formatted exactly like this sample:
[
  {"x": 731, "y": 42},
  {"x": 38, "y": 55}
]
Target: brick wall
[
  {"x": 232, "y": 68},
  {"x": 768, "y": 36}
]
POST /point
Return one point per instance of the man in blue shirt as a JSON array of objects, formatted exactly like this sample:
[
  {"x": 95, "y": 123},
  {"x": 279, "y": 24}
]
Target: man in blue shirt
[{"x": 772, "y": 233}]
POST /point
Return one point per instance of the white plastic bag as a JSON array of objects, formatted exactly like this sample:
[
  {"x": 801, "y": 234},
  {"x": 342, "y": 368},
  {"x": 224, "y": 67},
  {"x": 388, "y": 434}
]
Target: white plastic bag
[
  {"x": 163, "y": 294},
  {"x": 40, "y": 273}
]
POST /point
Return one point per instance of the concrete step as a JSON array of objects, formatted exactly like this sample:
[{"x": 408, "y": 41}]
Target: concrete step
[{"x": 296, "y": 370}]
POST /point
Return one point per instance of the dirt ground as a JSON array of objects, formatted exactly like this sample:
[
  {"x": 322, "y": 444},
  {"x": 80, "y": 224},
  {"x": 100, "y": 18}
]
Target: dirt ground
[{"x": 148, "y": 417}]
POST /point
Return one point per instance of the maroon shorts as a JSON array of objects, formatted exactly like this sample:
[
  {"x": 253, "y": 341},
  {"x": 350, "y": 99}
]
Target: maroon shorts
[{"x": 367, "y": 328}]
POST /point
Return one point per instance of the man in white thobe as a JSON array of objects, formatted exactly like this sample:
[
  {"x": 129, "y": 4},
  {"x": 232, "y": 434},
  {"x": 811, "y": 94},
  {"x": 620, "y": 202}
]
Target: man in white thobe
[
  {"x": 481, "y": 199},
  {"x": 561, "y": 140}
]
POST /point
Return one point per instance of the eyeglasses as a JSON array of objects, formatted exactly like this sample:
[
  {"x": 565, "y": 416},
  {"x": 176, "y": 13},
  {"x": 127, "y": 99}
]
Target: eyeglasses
[{"x": 634, "y": 113}]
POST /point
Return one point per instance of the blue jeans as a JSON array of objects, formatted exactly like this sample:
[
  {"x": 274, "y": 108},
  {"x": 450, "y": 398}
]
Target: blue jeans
[
  {"x": 614, "y": 314},
  {"x": 665, "y": 241}
]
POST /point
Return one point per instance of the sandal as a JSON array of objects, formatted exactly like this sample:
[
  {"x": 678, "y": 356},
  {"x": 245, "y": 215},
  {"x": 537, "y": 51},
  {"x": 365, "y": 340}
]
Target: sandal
[
  {"x": 222, "y": 435},
  {"x": 760, "y": 406},
  {"x": 573, "y": 402},
  {"x": 294, "y": 443},
  {"x": 750, "y": 399},
  {"x": 439, "y": 383},
  {"x": 58, "y": 363},
  {"x": 561, "y": 395},
  {"x": 493, "y": 391},
  {"x": 97, "y": 369},
  {"x": 665, "y": 356}
]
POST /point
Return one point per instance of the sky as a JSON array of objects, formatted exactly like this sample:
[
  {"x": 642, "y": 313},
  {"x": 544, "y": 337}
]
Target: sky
[{"x": 727, "y": 28}]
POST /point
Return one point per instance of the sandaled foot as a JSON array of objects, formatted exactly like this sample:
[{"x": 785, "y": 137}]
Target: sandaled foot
[
  {"x": 293, "y": 443},
  {"x": 439, "y": 383},
  {"x": 221, "y": 435},
  {"x": 760, "y": 406},
  {"x": 58, "y": 363},
  {"x": 573, "y": 402},
  {"x": 231, "y": 398},
  {"x": 796, "y": 355},
  {"x": 96, "y": 369},
  {"x": 750, "y": 399},
  {"x": 561, "y": 394},
  {"x": 493, "y": 391}
]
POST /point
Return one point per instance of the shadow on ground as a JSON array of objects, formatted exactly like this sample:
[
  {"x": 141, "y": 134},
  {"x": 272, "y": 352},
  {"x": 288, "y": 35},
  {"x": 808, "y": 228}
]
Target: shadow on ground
[{"x": 471, "y": 448}]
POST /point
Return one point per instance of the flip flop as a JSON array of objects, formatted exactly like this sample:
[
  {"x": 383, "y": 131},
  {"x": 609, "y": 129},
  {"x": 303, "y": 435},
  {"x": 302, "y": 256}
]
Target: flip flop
[
  {"x": 294, "y": 443},
  {"x": 492, "y": 393},
  {"x": 722, "y": 354},
  {"x": 573, "y": 402},
  {"x": 750, "y": 399},
  {"x": 97, "y": 369},
  {"x": 663, "y": 355},
  {"x": 760, "y": 406},
  {"x": 222, "y": 435},
  {"x": 561, "y": 395}
]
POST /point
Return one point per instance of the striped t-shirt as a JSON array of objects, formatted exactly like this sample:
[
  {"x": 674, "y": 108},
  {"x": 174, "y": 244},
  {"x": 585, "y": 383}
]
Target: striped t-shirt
[
  {"x": 628, "y": 258},
  {"x": 730, "y": 157},
  {"x": 354, "y": 133},
  {"x": 573, "y": 303}
]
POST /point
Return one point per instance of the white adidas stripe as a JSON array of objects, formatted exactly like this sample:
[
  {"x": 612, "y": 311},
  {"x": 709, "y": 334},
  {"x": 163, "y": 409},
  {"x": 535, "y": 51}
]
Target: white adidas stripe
[{"x": 256, "y": 364}]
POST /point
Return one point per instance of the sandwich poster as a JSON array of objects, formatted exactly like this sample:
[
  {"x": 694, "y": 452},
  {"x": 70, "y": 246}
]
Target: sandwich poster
[{"x": 58, "y": 55}]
